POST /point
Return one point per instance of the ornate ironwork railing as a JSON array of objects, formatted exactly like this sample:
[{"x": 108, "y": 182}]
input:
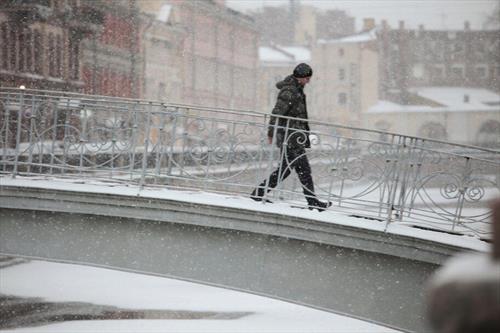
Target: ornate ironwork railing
[{"x": 383, "y": 176}]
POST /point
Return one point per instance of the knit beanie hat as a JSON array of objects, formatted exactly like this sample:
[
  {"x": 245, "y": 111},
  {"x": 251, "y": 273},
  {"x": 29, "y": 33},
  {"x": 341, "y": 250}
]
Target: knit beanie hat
[{"x": 302, "y": 70}]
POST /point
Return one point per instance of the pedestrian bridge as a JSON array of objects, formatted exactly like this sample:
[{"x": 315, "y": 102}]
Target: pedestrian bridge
[{"x": 163, "y": 189}]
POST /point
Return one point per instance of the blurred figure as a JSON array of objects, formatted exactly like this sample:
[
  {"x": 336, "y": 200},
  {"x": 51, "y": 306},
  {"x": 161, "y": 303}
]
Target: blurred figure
[{"x": 464, "y": 295}]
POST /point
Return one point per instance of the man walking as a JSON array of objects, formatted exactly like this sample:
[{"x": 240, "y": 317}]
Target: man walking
[{"x": 289, "y": 128}]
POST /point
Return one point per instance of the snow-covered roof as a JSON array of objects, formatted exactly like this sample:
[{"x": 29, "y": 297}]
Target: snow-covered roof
[
  {"x": 455, "y": 96},
  {"x": 452, "y": 99},
  {"x": 301, "y": 54},
  {"x": 363, "y": 37},
  {"x": 164, "y": 13},
  {"x": 284, "y": 55}
]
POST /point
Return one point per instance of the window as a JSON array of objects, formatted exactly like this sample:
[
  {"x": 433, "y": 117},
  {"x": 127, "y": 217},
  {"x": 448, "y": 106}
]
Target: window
[
  {"x": 342, "y": 99},
  {"x": 437, "y": 71},
  {"x": 161, "y": 91},
  {"x": 5, "y": 42},
  {"x": 37, "y": 52},
  {"x": 73, "y": 64},
  {"x": 341, "y": 74},
  {"x": 58, "y": 50},
  {"x": 112, "y": 83},
  {"x": 433, "y": 130},
  {"x": 52, "y": 58},
  {"x": 489, "y": 134},
  {"x": 13, "y": 50},
  {"x": 22, "y": 52},
  {"x": 458, "y": 47},
  {"x": 457, "y": 72},
  {"x": 29, "y": 51},
  {"x": 479, "y": 46},
  {"x": 418, "y": 70},
  {"x": 481, "y": 72}
]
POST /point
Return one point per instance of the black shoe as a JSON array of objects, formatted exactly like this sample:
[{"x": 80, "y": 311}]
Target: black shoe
[
  {"x": 319, "y": 205},
  {"x": 260, "y": 199},
  {"x": 259, "y": 196}
]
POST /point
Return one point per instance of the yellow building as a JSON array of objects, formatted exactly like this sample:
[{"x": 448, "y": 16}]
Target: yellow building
[{"x": 345, "y": 83}]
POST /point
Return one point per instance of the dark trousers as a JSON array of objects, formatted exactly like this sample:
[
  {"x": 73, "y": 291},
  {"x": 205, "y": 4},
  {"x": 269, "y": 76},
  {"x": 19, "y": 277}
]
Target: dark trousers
[{"x": 292, "y": 158}]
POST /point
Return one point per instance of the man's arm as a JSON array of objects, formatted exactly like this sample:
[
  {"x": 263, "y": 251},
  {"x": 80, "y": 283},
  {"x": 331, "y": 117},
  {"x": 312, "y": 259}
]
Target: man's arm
[{"x": 283, "y": 104}]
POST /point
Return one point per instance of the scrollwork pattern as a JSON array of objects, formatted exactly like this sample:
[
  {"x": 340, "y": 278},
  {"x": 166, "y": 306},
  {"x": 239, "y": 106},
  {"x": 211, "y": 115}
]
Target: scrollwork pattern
[{"x": 204, "y": 148}]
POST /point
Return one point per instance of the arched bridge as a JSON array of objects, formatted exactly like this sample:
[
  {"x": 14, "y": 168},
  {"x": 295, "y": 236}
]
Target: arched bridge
[{"x": 163, "y": 188}]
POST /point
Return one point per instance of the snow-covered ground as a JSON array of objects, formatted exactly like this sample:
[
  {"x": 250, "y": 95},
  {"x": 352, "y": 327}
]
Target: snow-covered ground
[{"x": 62, "y": 282}]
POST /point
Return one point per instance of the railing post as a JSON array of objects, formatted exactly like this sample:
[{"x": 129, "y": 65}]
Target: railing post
[
  {"x": 66, "y": 135},
  {"x": 393, "y": 181},
  {"x": 159, "y": 150},
  {"x": 461, "y": 194},
  {"x": 31, "y": 130},
  {"x": 283, "y": 157},
  {"x": 185, "y": 137},
  {"x": 133, "y": 117},
  {"x": 173, "y": 139},
  {"x": 146, "y": 145},
  {"x": 210, "y": 146},
  {"x": 343, "y": 169},
  {"x": 406, "y": 164},
  {"x": 416, "y": 173},
  {"x": 18, "y": 133},
  {"x": 263, "y": 148}
]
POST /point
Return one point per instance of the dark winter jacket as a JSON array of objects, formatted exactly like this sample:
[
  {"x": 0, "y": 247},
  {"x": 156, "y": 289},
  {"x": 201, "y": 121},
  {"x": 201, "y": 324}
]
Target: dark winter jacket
[{"x": 291, "y": 102}]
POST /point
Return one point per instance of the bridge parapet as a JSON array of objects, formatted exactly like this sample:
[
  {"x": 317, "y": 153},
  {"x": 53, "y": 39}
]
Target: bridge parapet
[{"x": 386, "y": 176}]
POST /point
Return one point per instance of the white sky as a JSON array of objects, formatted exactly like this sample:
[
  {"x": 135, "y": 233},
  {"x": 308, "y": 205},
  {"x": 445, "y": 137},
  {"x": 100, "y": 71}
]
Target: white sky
[{"x": 433, "y": 14}]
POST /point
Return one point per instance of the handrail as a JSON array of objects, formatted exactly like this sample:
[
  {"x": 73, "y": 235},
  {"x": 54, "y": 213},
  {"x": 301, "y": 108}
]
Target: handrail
[{"x": 380, "y": 175}]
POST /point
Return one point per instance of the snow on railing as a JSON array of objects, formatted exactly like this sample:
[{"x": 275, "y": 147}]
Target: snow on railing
[{"x": 383, "y": 176}]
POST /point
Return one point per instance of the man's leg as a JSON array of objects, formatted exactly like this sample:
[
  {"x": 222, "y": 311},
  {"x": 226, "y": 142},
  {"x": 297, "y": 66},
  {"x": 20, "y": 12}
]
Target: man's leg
[
  {"x": 303, "y": 169},
  {"x": 301, "y": 165},
  {"x": 278, "y": 175}
]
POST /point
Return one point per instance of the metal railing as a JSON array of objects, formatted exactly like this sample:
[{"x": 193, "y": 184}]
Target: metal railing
[{"x": 386, "y": 177}]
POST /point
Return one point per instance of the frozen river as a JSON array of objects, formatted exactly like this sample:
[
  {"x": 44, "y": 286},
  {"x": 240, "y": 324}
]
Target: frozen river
[{"x": 61, "y": 297}]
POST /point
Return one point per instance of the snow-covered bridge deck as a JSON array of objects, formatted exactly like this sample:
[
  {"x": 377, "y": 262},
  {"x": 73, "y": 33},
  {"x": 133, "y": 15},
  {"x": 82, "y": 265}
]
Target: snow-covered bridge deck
[{"x": 326, "y": 260}]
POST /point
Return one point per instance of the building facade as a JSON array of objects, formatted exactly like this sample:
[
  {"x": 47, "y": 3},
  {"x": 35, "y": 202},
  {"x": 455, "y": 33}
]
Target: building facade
[
  {"x": 162, "y": 52},
  {"x": 111, "y": 59},
  {"x": 312, "y": 24},
  {"x": 417, "y": 58},
  {"x": 346, "y": 83},
  {"x": 41, "y": 42},
  {"x": 301, "y": 25},
  {"x": 462, "y": 115},
  {"x": 220, "y": 53},
  {"x": 74, "y": 45}
]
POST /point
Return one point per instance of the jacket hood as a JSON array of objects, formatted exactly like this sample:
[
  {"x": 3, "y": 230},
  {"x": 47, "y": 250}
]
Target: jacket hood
[{"x": 288, "y": 81}]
